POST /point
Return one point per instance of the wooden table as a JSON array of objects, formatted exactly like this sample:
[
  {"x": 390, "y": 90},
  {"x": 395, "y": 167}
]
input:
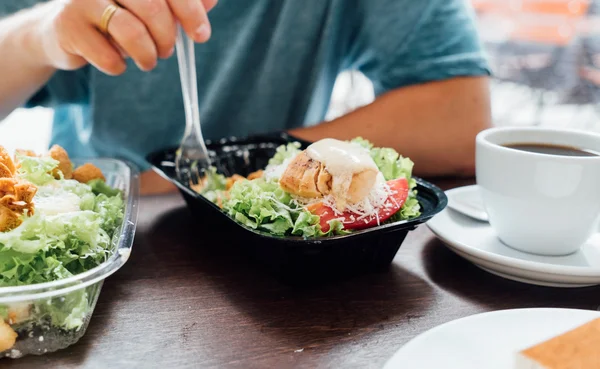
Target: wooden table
[{"x": 176, "y": 304}]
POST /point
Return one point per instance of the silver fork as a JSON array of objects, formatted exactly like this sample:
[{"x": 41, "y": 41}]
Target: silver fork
[{"x": 192, "y": 159}]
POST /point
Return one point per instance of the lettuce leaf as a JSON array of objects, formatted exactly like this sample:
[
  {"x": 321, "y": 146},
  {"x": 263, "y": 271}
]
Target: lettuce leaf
[
  {"x": 4, "y": 312},
  {"x": 215, "y": 185},
  {"x": 110, "y": 210},
  {"x": 391, "y": 164},
  {"x": 259, "y": 204},
  {"x": 99, "y": 186},
  {"x": 262, "y": 205},
  {"x": 68, "y": 311},
  {"x": 37, "y": 170},
  {"x": 285, "y": 152}
]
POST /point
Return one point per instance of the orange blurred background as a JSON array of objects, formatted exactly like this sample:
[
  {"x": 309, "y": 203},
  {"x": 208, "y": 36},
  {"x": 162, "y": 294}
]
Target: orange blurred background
[{"x": 546, "y": 21}]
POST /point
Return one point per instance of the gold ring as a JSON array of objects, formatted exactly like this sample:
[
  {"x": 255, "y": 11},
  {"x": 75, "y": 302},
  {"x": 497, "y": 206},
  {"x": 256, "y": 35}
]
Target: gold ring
[{"x": 106, "y": 17}]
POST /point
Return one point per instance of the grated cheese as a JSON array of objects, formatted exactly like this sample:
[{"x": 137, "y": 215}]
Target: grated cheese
[{"x": 362, "y": 210}]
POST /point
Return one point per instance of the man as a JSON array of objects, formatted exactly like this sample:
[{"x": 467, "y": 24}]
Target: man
[{"x": 109, "y": 72}]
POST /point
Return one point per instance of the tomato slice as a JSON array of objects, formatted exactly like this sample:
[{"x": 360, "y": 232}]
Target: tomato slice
[{"x": 393, "y": 203}]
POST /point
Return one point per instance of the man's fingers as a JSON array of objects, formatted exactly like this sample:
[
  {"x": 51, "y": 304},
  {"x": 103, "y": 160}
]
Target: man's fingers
[
  {"x": 126, "y": 30},
  {"x": 193, "y": 18},
  {"x": 98, "y": 51},
  {"x": 158, "y": 19},
  {"x": 133, "y": 37},
  {"x": 209, "y": 4}
]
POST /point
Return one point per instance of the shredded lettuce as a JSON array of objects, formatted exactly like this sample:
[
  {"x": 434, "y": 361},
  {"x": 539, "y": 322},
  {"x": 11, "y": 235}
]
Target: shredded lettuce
[
  {"x": 4, "y": 312},
  {"x": 215, "y": 185},
  {"x": 69, "y": 233},
  {"x": 37, "y": 170},
  {"x": 215, "y": 181},
  {"x": 391, "y": 164},
  {"x": 285, "y": 152},
  {"x": 98, "y": 186},
  {"x": 70, "y": 310},
  {"x": 264, "y": 206},
  {"x": 109, "y": 209}
]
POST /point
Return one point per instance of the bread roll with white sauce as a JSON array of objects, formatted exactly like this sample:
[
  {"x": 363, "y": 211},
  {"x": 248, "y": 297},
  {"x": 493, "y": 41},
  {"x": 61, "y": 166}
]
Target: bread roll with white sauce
[{"x": 341, "y": 169}]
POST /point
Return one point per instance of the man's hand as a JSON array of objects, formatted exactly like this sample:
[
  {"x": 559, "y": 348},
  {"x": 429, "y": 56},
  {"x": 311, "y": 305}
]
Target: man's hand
[
  {"x": 434, "y": 124},
  {"x": 144, "y": 30},
  {"x": 64, "y": 34}
]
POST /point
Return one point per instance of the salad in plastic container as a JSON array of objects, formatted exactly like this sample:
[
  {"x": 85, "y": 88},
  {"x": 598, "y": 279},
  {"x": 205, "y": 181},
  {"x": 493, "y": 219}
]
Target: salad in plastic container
[{"x": 64, "y": 227}]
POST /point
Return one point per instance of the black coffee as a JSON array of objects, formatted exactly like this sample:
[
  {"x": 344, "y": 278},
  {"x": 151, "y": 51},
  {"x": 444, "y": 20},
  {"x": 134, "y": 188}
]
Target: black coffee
[{"x": 552, "y": 149}]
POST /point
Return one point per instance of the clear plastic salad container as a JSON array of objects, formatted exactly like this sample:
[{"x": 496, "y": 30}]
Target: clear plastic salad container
[{"x": 70, "y": 301}]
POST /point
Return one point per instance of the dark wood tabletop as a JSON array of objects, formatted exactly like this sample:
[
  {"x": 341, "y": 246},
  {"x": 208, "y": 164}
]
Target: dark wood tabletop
[{"x": 178, "y": 304}]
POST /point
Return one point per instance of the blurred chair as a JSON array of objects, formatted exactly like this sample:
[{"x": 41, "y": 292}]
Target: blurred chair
[
  {"x": 543, "y": 46},
  {"x": 587, "y": 91}
]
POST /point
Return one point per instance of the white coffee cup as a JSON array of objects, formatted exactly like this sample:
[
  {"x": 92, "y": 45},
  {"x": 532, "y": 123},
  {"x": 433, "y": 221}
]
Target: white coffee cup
[{"x": 539, "y": 203}]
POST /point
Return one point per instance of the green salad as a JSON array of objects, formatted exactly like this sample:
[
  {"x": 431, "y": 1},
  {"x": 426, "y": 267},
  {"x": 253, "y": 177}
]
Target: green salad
[
  {"x": 56, "y": 223},
  {"x": 267, "y": 201}
]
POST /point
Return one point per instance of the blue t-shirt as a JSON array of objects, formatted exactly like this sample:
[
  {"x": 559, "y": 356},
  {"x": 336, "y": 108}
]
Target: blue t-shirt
[{"x": 270, "y": 65}]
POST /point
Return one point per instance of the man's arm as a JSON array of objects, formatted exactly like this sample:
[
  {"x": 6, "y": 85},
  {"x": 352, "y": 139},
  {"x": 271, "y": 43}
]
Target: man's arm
[
  {"x": 434, "y": 124},
  {"x": 22, "y": 65},
  {"x": 430, "y": 77}
]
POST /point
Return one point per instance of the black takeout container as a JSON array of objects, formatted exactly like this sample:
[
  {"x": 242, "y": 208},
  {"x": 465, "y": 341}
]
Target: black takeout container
[{"x": 295, "y": 259}]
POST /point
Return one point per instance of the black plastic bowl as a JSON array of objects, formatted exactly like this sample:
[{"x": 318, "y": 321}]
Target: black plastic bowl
[{"x": 294, "y": 258}]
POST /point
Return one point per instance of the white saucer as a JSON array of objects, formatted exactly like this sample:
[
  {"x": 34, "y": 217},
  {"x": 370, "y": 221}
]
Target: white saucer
[
  {"x": 488, "y": 340},
  {"x": 476, "y": 241},
  {"x": 467, "y": 200}
]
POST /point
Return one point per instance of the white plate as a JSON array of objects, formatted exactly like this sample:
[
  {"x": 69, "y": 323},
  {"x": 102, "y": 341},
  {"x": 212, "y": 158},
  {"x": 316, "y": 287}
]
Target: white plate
[
  {"x": 488, "y": 340},
  {"x": 476, "y": 241}
]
